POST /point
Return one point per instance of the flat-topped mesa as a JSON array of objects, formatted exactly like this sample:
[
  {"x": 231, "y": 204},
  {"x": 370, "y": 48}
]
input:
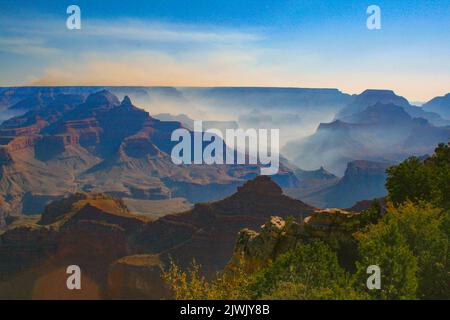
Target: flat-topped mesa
[
  {"x": 366, "y": 167},
  {"x": 59, "y": 208},
  {"x": 335, "y": 125},
  {"x": 261, "y": 185},
  {"x": 95, "y": 208}
]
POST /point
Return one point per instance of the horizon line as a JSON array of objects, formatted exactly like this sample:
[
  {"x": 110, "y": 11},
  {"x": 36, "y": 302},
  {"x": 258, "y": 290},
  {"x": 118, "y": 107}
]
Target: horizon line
[{"x": 211, "y": 87}]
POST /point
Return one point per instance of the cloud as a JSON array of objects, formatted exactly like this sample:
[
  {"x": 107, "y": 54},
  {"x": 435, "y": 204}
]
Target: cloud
[
  {"x": 135, "y": 52},
  {"x": 144, "y": 52},
  {"x": 224, "y": 65},
  {"x": 211, "y": 68},
  {"x": 143, "y": 31},
  {"x": 26, "y": 46}
]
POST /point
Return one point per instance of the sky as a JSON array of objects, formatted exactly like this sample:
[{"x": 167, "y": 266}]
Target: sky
[{"x": 301, "y": 43}]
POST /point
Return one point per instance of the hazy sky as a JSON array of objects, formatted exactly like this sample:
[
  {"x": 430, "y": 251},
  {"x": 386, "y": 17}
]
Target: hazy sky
[{"x": 302, "y": 43}]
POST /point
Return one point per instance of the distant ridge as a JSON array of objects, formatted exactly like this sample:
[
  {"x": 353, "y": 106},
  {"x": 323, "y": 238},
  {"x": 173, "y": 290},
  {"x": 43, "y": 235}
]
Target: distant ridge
[{"x": 440, "y": 105}]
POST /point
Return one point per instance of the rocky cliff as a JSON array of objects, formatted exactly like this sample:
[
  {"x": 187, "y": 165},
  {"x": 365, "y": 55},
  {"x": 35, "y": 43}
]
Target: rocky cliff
[
  {"x": 363, "y": 180},
  {"x": 121, "y": 252},
  {"x": 256, "y": 249},
  {"x": 70, "y": 143}
]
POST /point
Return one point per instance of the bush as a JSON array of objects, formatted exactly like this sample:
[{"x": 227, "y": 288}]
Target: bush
[
  {"x": 411, "y": 246},
  {"x": 415, "y": 180}
]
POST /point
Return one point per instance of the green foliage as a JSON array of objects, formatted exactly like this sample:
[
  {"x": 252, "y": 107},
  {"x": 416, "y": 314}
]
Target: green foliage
[
  {"x": 409, "y": 242},
  {"x": 411, "y": 247},
  {"x": 424, "y": 230},
  {"x": 342, "y": 241},
  {"x": 298, "y": 291},
  {"x": 369, "y": 216},
  {"x": 385, "y": 247},
  {"x": 310, "y": 271},
  {"x": 415, "y": 180}
]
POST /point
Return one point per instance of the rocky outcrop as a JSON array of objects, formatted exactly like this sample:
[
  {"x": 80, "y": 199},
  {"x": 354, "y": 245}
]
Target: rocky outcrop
[
  {"x": 260, "y": 197},
  {"x": 137, "y": 277},
  {"x": 101, "y": 144},
  {"x": 89, "y": 230},
  {"x": 23, "y": 247},
  {"x": 377, "y": 126},
  {"x": 22, "y": 131},
  {"x": 256, "y": 249},
  {"x": 5, "y": 157},
  {"x": 35, "y": 101},
  {"x": 101, "y": 99},
  {"x": 138, "y": 147},
  {"x": 121, "y": 253},
  {"x": 323, "y": 222},
  {"x": 208, "y": 232},
  {"x": 48, "y": 147},
  {"x": 275, "y": 237},
  {"x": 363, "y": 205},
  {"x": 379, "y": 113},
  {"x": 363, "y": 180},
  {"x": 370, "y": 98},
  {"x": 262, "y": 185},
  {"x": 59, "y": 209}
]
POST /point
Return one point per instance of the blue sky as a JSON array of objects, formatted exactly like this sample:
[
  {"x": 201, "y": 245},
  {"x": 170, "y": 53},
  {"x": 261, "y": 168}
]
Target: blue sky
[{"x": 303, "y": 43}]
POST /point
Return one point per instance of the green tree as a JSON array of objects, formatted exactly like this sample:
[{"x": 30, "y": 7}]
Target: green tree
[
  {"x": 423, "y": 227},
  {"x": 308, "y": 270},
  {"x": 440, "y": 164},
  {"x": 384, "y": 246},
  {"x": 299, "y": 291},
  {"x": 416, "y": 180},
  {"x": 411, "y": 246},
  {"x": 410, "y": 180}
]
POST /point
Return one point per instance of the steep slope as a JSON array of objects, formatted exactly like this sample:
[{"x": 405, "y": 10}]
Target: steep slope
[
  {"x": 277, "y": 236},
  {"x": 188, "y": 123},
  {"x": 372, "y": 97},
  {"x": 439, "y": 105},
  {"x": 382, "y": 132},
  {"x": 103, "y": 145},
  {"x": 310, "y": 182},
  {"x": 369, "y": 98},
  {"x": 89, "y": 230},
  {"x": 363, "y": 180},
  {"x": 119, "y": 251},
  {"x": 207, "y": 233},
  {"x": 11, "y": 97}
]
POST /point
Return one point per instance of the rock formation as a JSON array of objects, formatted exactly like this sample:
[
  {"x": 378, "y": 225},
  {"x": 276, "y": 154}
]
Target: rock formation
[{"x": 121, "y": 252}]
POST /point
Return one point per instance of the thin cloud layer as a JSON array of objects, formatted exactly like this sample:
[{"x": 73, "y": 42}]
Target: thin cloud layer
[{"x": 41, "y": 51}]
